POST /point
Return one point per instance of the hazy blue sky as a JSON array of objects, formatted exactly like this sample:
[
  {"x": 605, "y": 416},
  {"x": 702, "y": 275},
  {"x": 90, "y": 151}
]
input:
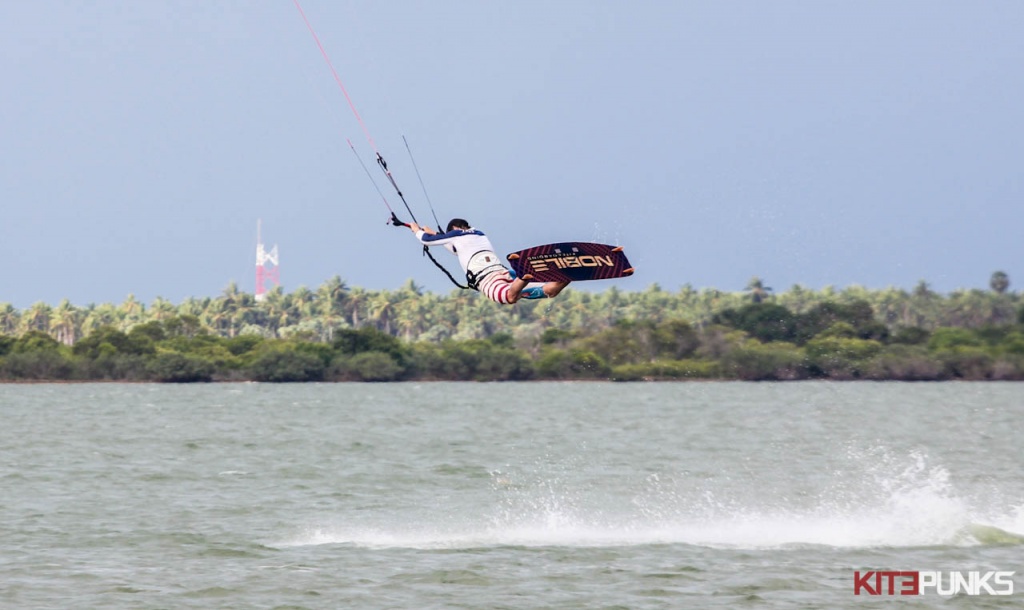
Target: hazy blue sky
[{"x": 872, "y": 143}]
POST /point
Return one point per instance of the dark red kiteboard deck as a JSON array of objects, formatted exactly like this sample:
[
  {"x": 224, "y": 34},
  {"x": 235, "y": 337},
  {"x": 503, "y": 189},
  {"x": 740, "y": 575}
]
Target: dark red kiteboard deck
[{"x": 572, "y": 261}]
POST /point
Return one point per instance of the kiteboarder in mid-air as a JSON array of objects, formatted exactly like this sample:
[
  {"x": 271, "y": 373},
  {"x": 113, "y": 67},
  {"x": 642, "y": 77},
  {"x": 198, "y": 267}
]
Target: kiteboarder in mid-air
[
  {"x": 538, "y": 272},
  {"x": 483, "y": 268}
]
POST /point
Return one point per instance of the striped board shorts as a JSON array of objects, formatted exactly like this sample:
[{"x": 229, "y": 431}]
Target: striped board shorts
[{"x": 495, "y": 285}]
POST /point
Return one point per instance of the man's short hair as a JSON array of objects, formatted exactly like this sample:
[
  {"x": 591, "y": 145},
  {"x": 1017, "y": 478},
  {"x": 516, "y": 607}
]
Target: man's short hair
[{"x": 457, "y": 223}]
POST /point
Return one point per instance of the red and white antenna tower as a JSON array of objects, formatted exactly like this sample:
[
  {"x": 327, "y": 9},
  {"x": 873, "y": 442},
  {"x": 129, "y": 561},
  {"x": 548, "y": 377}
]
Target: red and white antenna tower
[{"x": 264, "y": 273}]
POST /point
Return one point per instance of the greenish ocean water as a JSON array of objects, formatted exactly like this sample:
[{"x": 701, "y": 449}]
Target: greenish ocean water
[{"x": 504, "y": 495}]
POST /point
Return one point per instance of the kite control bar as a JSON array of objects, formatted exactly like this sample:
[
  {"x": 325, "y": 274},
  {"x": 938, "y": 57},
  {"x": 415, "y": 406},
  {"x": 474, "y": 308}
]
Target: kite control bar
[
  {"x": 380, "y": 160},
  {"x": 426, "y": 252}
]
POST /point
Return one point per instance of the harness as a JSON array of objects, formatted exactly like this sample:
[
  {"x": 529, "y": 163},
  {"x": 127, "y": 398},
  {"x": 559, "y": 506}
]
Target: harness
[{"x": 486, "y": 268}]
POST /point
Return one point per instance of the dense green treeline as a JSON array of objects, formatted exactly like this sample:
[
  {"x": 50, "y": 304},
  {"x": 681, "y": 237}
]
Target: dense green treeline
[{"x": 337, "y": 334}]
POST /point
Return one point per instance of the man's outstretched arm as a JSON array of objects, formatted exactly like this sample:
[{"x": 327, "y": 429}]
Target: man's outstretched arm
[{"x": 415, "y": 228}]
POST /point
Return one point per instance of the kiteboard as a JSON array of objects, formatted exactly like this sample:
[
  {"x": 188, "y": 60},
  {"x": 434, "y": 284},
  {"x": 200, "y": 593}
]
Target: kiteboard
[{"x": 570, "y": 261}]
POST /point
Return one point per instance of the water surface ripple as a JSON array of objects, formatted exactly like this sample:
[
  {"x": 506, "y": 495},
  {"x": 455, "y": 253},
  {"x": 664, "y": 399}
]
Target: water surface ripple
[{"x": 503, "y": 495}]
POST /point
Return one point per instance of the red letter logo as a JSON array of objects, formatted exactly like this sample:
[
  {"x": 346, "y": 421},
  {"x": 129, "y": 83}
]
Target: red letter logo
[{"x": 861, "y": 582}]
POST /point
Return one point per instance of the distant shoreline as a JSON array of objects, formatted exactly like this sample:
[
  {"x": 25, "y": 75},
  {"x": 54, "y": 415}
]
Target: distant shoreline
[{"x": 337, "y": 335}]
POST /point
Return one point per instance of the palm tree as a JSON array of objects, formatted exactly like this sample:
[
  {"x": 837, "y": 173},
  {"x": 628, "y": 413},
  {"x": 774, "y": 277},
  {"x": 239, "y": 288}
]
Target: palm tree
[
  {"x": 10, "y": 319},
  {"x": 132, "y": 311},
  {"x": 65, "y": 324},
  {"x": 653, "y": 304},
  {"x": 275, "y": 308},
  {"x": 303, "y": 304},
  {"x": 98, "y": 316},
  {"x": 218, "y": 316},
  {"x": 407, "y": 309},
  {"x": 796, "y": 299},
  {"x": 194, "y": 307},
  {"x": 925, "y": 305},
  {"x": 856, "y": 292},
  {"x": 224, "y": 310},
  {"x": 409, "y": 317},
  {"x": 380, "y": 310},
  {"x": 758, "y": 291},
  {"x": 330, "y": 306},
  {"x": 999, "y": 282},
  {"x": 706, "y": 306},
  {"x": 411, "y": 288},
  {"x": 246, "y": 312},
  {"x": 37, "y": 317},
  {"x": 891, "y": 305},
  {"x": 357, "y": 300},
  {"x": 162, "y": 309}
]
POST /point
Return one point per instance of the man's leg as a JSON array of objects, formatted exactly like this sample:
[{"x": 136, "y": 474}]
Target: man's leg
[
  {"x": 515, "y": 289},
  {"x": 553, "y": 288}
]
